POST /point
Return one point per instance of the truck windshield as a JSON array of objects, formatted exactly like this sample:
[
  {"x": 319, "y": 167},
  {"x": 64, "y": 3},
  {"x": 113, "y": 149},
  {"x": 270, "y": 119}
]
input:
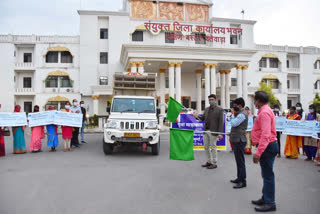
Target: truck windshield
[{"x": 133, "y": 105}]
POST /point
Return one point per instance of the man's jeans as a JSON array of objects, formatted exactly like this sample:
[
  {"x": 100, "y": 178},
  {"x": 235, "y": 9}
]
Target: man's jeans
[
  {"x": 82, "y": 131},
  {"x": 266, "y": 163}
]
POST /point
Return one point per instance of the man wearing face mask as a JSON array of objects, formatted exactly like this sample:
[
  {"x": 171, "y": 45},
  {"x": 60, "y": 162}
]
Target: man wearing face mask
[
  {"x": 84, "y": 118},
  {"x": 238, "y": 138},
  {"x": 214, "y": 121},
  {"x": 75, "y": 130}
]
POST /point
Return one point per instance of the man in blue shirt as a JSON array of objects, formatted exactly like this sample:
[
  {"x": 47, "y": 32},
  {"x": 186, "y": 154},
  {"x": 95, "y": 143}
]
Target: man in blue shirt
[{"x": 75, "y": 130}]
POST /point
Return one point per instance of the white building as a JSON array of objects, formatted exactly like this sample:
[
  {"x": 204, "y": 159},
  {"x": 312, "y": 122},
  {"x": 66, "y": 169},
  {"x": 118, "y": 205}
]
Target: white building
[{"x": 190, "y": 53}]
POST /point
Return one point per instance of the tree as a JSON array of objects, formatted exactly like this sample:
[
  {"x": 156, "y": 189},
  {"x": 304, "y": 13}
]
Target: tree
[
  {"x": 316, "y": 102},
  {"x": 268, "y": 89}
]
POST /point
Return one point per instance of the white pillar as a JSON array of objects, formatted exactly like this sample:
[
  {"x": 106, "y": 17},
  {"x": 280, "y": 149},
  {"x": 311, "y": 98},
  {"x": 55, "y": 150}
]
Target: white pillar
[
  {"x": 162, "y": 84},
  {"x": 133, "y": 66},
  {"x": 223, "y": 89},
  {"x": 199, "y": 89},
  {"x": 178, "y": 82},
  {"x": 141, "y": 67},
  {"x": 244, "y": 83},
  {"x": 268, "y": 62},
  {"x": 171, "y": 79},
  {"x": 95, "y": 105},
  {"x": 239, "y": 81},
  {"x": 207, "y": 83},
  {"x": 213, "y": 78},
  {"x": 227, "y": 89}
]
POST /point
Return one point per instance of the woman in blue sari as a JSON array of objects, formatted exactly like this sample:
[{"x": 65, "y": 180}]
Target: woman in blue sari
[
  {"x": 52, "y": 133},
  {"x": 19, "y": 144}
]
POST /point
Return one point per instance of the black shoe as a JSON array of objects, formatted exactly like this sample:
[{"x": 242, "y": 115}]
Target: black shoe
[
  {"x": 239, "y": 185},
  {"x": 83, "y": 142},
  {"x": 77, "y": 145},
  {"x": 266, "y": 208},
  {"x": 235, "y": 181},
  {"x": 258, "y": 202}
]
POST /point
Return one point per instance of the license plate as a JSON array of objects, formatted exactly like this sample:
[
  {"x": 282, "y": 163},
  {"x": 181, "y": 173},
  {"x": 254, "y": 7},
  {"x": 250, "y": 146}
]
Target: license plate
[{"x": 131, "y": 134}]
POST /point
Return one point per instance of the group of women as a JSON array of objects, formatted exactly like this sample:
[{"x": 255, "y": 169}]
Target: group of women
[
  {"x": 37, "y": 134},
  {"x": 310, "y": 146}
]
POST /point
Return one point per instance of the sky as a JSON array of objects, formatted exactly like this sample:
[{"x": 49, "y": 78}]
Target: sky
[{"x": 279, "y": 22}]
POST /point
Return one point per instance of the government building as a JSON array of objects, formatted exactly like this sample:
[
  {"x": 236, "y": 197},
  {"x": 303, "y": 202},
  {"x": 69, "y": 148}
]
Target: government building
[{"x": 158, "y": 48}]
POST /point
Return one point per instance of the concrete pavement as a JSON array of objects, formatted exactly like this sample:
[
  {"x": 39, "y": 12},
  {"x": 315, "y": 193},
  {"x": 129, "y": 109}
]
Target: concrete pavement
[{"x": 86, "y": 181}]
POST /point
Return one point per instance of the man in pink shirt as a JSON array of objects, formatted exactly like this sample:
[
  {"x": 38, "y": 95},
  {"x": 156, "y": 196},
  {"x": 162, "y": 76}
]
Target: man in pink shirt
[{"x": 264, "y": 135}]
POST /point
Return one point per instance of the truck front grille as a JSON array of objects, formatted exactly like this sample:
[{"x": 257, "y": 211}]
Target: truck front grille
[{"x": 127, "y": 125}]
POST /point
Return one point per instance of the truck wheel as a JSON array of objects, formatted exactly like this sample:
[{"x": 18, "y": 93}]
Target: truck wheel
[
  {"x": 155, "y": 148},
  {"x": 107, "y": 148}
]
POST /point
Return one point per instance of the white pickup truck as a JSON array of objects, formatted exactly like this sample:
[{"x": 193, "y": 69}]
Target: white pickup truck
[{"x": 132, "y": 120}]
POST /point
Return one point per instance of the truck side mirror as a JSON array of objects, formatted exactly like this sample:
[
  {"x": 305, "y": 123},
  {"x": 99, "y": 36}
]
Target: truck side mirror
[{"x": 108, "y": 109}]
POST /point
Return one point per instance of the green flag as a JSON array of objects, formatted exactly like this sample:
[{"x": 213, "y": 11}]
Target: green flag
[
  {"x": 181, "y": 144},
  {"x": 174, "y": 108}
]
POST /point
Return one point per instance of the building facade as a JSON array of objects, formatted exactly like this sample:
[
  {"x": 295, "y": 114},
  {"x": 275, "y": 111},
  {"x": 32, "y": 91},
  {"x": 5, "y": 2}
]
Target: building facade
[{"x": 158, "y": 48}]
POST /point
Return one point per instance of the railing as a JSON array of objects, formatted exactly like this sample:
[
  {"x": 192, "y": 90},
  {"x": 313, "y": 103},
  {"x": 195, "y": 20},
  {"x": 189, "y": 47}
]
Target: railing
[
  {"x": 274, "y": 70},
  {"x": 24, "y": 90},
  {"x": 306, "y": 50},
  {"x": 24, "y": 65},
  {"x": 293, "y": 90},
  {"x": 39, "y": 39},
  {"x": 294, "y": 70}
]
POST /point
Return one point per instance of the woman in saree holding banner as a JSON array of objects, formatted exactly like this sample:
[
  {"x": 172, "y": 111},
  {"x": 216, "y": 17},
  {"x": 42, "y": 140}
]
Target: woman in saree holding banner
[
  {"x": 19, "y": 144},
  {"x": 37, "y": 133},
  {"x": 67, "y": 130},
  {"x": 291, "y": 149},
  {"x": 2, "y": 145},
  {"x": 311, "y": 144},
  {"x": 52, "y": 133},
  {"x": 248, "y": 148}
]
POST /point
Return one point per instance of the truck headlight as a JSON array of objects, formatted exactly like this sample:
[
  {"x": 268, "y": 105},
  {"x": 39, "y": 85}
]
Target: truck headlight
[
  {"x": 111, "y": 124},
  {"x": 153, "y": 124}
]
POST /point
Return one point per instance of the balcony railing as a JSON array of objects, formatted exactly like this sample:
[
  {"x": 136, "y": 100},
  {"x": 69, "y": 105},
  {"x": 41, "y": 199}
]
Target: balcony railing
[
  {"x": 24, "y": 91},
  {"x": 24, "y": 65},
  {"x": 275, "y": 70},
  {"x": 294, "y": 70},
  {"x": 306, "y": 50},
  {"x": 293, "y": 90},
  {"x": 39, "y": 39}
]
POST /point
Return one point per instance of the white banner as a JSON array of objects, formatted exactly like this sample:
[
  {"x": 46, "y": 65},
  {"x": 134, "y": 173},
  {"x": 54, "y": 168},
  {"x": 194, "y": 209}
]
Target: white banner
[{"x": 13, "y": 119}]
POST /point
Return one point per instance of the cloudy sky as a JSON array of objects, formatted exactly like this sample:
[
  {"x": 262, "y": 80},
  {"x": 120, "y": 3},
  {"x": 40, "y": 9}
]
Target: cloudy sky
[{"x": 279, "y": 22}]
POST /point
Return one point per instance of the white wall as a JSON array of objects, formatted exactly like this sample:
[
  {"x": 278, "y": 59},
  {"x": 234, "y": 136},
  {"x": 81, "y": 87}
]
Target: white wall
[{"x": 7, "y": 77}]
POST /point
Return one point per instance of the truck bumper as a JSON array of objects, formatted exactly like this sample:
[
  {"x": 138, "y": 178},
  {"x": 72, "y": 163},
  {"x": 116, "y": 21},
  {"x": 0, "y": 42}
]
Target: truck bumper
[{"x": 117, "y": 136}]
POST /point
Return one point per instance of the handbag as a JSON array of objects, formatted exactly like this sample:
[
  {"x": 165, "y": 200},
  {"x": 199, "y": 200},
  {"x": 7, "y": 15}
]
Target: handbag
[{"x": 6, "y": 132}]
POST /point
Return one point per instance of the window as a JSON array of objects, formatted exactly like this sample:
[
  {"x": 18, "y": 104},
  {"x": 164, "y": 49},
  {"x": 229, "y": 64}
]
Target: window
[
  {"x": 274, "y": 62},
  {"x": 194, "y": 105},
  {"x": 52, "y": 82},
  {"x": 168, "y": 40},
  {"x": 66, "y": 57},
  {"x": 103, "y": 57},
  {"x": 103, "y": 81},
  {"x": 27, "y": 107},
  {"x": 263, "y": 62},
  {"x": 185, "y": 103},
  {"x": 65, "y": 82},
  {"x": 27, "y": 82},
  {"x": 233, "y": 81},
  {"x": 202, "y": 39},
  {"x": 288, "y": 64},
  {"x": 52, "y": 57},
  {"x": 316, "y": 85},
  {"x": 27, "y": 57},
  {"x": 104, "y": 33},
  {"x": 233, "y": 39},
  {"x": 203, "y": 105},
  {"x": 288, "y": 83},
  {"x": 317, "y": 64},
  {"x": 289, "y": 103},
  {"x": 274, "y": 83},
  {"x": 167, "y": 82},
  {"x": 137, "y": 36}
]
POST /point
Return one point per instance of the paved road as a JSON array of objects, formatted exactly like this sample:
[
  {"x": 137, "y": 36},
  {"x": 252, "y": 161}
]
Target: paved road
[{"x": 86, "y": 181}]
